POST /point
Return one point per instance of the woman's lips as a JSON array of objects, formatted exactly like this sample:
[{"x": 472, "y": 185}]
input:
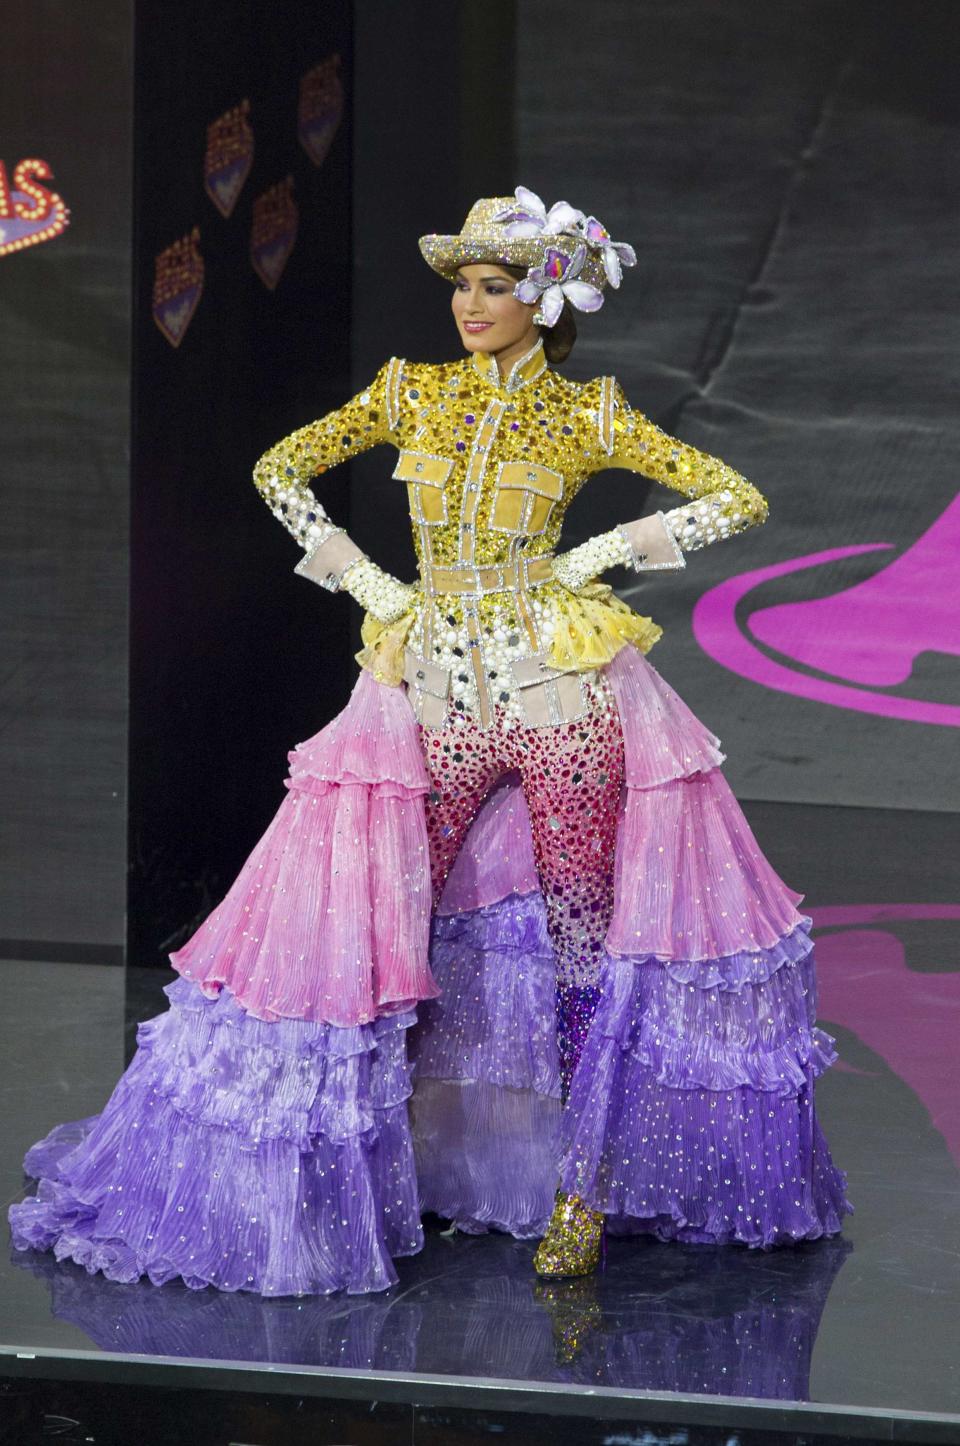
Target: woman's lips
[{"x": 477, "y": 325}]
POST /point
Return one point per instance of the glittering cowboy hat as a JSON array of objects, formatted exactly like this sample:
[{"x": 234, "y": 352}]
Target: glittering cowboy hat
[{"x": 569, "y": 255}]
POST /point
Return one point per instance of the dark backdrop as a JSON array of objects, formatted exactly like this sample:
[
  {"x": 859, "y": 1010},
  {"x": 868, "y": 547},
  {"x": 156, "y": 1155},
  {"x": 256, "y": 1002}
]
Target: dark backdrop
[
  {"x": 65, "y": 97},
  {"x": 788, "y": 174},
  {"x": 232, "y": 660}
]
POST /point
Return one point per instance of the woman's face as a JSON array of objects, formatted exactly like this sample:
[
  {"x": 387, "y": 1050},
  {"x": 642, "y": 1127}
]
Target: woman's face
[{"x": 488, "y": 315}]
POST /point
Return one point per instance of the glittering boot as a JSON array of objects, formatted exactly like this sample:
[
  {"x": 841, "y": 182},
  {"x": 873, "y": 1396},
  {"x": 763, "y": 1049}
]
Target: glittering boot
[{"x": 572, "y": 1243}]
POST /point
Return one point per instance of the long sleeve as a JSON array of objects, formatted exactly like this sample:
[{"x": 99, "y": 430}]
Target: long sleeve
[
  {"x": 722, "y": 501},
  {"x": 281, "y": 475},
  {"x": 332, "y": 558}
]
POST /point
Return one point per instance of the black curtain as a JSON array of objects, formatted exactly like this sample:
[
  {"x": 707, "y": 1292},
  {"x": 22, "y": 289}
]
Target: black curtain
[{"x": 232, "y": 661}]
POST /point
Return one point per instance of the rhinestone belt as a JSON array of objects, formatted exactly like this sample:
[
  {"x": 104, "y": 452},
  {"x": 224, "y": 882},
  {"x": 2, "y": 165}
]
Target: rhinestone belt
[{"x": 478, "y": 580}]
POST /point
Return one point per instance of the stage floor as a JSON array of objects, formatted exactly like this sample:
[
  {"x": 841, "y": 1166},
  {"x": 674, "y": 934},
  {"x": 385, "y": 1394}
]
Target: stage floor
[{"x": 867, "y": 1321}]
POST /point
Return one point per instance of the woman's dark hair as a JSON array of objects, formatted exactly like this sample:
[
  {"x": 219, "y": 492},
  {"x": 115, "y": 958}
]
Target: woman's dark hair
[{"x": 557, "y": 339}]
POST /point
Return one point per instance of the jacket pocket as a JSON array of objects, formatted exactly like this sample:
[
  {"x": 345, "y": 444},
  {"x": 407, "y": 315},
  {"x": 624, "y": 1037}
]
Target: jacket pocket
[
  {"x": 428, "y": 688},
  {"x": 548, "y": 695},
  {"x": 525, "y": 494},
  {"x": 426, "y": 476}
]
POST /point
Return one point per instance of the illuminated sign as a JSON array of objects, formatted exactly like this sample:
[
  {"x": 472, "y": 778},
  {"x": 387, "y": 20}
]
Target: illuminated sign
[{"x": 29, "y": 212}]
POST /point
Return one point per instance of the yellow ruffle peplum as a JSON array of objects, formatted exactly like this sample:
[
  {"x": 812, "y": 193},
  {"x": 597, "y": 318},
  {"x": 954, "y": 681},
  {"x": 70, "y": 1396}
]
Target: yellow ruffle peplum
[
  {"x": 382, "y": 653},
  {"x": 592, "y": 625},
  {"x": 590, "y": 628}
]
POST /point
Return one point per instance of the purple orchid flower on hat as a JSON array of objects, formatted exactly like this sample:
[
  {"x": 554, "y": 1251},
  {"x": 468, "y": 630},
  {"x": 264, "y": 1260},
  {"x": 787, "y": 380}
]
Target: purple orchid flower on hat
[
  {"x": 530, "y": 216},
  {"x": 556, "y": 278},
  {"x": 554, "y": 282},
  {"x": 616, "y": 254}
]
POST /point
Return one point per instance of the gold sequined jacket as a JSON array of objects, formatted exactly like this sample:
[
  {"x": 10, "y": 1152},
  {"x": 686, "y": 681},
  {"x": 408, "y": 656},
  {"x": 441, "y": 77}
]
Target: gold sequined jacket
[{"x": 491, "y": 465}]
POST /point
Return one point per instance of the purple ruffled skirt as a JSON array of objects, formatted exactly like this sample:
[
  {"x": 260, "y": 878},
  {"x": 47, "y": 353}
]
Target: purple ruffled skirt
[
  {"x": 250, "y": 1156},
  {"x": 273, "y": 1132}
]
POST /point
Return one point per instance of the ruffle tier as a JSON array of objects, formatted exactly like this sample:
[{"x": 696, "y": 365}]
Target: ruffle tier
[
  {"x": 691, "y": 881},
  {"x": 269, "y": 1157},
  {"x": 328, "y": 920},
  {"x": 696, "y": 1035},
  {"x": 662, "y": 739},
  {"x": 592, "y": 625},
  {"x": 494, "y": 1017},
  {"x": 691, "y": 1114}
]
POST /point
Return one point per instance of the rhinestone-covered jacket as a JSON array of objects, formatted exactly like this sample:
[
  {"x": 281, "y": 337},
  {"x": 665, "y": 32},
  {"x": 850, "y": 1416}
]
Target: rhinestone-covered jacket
[{"x": 491, "y": 466}]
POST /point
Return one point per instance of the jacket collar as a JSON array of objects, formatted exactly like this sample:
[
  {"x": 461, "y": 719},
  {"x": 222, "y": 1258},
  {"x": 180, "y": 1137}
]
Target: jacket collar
[{"x": 525, "y": 369}]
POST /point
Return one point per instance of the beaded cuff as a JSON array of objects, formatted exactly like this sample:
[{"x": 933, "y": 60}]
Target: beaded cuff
[
  {"x": 575, "y": 568},
  {"x": 327, "y": 560},
  {"x": 652, "y": 545},
  {"x": 381, "y": 594}
]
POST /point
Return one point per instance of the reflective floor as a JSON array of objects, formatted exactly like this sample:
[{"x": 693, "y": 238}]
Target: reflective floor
[{"x": 866, "y": 1320}]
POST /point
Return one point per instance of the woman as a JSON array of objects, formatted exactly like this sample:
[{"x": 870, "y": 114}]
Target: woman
[{"x": 514, "y": 826}]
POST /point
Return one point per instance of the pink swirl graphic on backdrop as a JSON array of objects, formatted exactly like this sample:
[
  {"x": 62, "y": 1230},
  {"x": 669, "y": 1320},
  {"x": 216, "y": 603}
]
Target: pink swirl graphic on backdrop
[
  {"x": 910, "y": 1019},
  {"x": 869, "y": 635}
]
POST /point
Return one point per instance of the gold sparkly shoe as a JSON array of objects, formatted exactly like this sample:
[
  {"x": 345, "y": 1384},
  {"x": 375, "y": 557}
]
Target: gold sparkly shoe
[{"x": 572, "y": 1243}]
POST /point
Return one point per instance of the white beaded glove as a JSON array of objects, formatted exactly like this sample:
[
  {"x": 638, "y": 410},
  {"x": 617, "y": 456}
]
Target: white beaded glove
[
  {"x": 575, "y": 568},
  {"x": 337, "y": 563},
  {"x": 383, "y": 595},
  {"x": 647, "y": 545}
]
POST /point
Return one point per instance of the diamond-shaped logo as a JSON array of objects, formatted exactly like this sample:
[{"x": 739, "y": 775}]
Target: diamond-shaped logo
[
  {"x": 177, "y": 286},
  {"x": 320, "y": 109},
  {"x": 274, "y": 232},
  {"x": 229, "y": 156}
]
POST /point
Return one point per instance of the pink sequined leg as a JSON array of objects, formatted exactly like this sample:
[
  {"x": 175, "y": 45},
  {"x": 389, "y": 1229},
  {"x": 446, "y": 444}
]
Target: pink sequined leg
[
  {"x": 572, "y": 776},
  {"x": 463, "y": 762}
]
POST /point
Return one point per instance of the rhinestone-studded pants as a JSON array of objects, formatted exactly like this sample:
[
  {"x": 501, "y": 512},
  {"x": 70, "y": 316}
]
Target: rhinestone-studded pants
[{"x": 571, "y": 775}]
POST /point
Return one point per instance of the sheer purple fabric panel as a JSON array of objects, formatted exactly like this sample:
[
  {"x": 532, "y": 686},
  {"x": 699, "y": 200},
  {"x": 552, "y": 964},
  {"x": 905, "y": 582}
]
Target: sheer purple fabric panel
[
  {"x": 486, "y": 1107},
  {"x": 274, "y": 1158}
]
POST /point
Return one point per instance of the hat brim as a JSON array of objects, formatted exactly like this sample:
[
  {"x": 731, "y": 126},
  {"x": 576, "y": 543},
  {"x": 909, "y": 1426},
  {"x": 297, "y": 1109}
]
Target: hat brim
[{"x": 446, "y": 254}]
